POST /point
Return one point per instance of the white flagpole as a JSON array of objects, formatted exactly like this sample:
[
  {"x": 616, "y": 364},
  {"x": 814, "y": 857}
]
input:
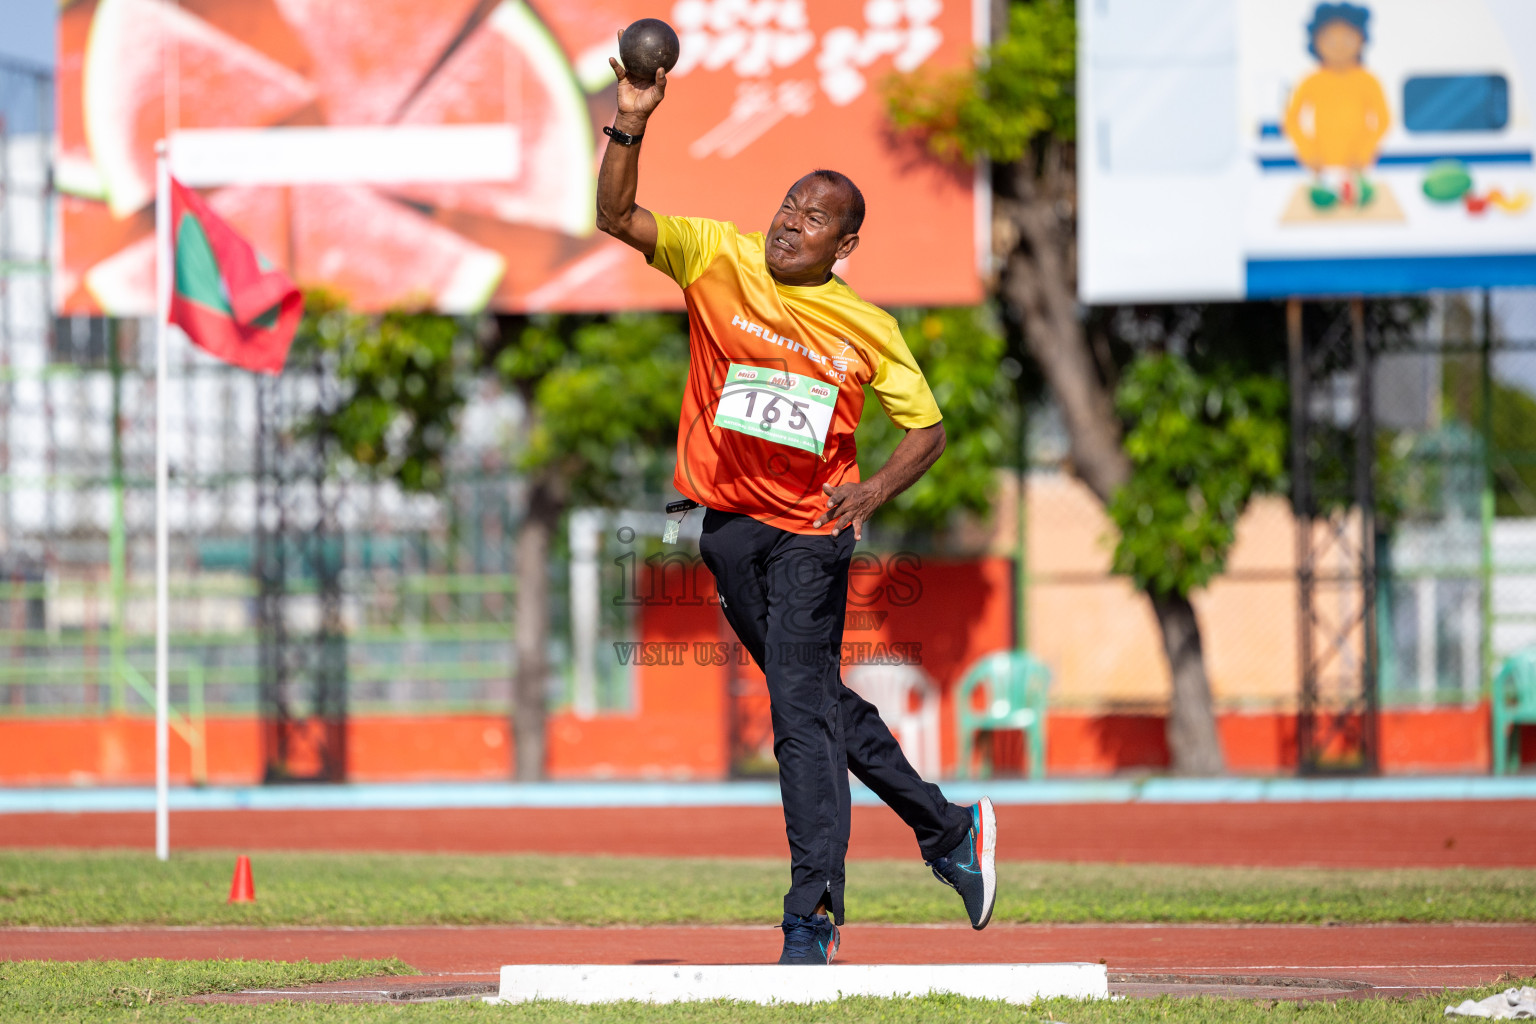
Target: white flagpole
[{"x": 163, "y": 269}]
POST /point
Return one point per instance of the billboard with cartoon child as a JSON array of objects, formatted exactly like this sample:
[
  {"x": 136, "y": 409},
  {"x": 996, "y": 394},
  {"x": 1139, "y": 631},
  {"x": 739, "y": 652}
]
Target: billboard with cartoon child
[{"x": 1256, "y": 148}]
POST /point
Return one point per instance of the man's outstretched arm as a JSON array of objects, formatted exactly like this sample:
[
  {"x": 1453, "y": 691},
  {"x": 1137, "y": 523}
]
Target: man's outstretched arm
[
  {"x": 853, "y": 504},
  {"x": 619, "y": 176}
]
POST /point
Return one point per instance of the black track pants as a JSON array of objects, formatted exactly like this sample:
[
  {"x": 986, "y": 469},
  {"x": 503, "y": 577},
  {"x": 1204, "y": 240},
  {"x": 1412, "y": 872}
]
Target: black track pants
[{"x": 785, "y": 595}]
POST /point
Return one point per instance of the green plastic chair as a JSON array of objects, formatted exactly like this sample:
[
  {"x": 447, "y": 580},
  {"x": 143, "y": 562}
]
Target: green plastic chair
[
  {"x": 1513, "y": 705},
  {"x": 1016, "y": 684}
]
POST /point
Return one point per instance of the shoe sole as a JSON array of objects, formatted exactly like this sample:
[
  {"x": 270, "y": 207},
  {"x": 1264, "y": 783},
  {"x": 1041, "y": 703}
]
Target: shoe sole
[{"x": 986, "y": 841}]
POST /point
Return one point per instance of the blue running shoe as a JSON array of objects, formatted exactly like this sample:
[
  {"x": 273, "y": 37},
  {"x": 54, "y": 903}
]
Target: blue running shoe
[
  {"x": 808, "y": 940},
  {"x": 971, "y": 867}
]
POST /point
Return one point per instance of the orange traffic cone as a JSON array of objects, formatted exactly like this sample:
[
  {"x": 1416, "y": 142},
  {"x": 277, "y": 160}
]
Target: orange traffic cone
[{"x": 242, "y": 889}]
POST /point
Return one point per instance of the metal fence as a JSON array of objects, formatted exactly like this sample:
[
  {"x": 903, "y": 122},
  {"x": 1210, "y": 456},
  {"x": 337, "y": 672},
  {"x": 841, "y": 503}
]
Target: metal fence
[
  {"x": 427, "y": 580},
  {"x": 1455, "y": 552},
  {"x": 1457, "y": 472}
]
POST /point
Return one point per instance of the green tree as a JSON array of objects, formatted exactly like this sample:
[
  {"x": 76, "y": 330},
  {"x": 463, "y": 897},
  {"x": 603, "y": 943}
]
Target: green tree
[
  {"x": 1017, "y": 108},
  {"x": 605, "y": 394},
  {"x": 601, "y": 397},
  {"x": 403, "y": 376},
  {"x": 960, "y": 351},
  {"x": 1200, "y": 447},
  {"x": 1512, "y": 423}
]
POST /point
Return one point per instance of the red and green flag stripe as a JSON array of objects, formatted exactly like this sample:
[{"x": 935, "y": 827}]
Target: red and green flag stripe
[{"x": 230, "y": 300}]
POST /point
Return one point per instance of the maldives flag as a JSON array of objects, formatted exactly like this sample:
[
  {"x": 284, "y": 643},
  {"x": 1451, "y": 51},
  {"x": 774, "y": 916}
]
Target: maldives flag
[{"x": 232, "y": 303}]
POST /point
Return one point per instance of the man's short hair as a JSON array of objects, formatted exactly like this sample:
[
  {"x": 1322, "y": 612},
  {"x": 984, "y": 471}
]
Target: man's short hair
[{"x": 853, "y": 213}]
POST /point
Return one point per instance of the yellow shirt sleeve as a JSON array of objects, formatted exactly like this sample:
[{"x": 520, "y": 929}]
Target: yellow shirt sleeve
[
  {"x": 901, "y": 387},
  {"x": 686, "y": 246}
]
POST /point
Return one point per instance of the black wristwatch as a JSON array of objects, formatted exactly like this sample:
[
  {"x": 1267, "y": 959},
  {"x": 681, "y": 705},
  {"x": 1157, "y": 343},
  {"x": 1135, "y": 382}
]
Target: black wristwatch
[{"x": 623, "y": 138}]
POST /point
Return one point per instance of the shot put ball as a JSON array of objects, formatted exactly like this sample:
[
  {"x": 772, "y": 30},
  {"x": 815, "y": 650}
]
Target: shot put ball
[{"x": 646, "y": 45}]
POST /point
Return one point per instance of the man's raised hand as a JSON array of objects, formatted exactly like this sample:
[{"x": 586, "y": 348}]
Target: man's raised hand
[
  {"x": 618, "y": 178},
  {"x": 634, "y": 99}
]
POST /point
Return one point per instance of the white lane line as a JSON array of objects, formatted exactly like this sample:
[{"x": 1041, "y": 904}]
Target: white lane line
[{"x": 1327, "y": 967}]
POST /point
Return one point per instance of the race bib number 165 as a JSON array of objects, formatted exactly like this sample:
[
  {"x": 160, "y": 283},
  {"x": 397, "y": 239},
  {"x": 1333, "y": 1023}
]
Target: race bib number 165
[{"x": 776, "y": 405}]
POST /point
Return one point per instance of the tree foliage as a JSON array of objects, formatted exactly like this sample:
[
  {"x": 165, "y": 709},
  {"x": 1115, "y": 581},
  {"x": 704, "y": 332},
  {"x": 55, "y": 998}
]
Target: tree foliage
[
  {"x": 1512, "y": 423},
  {"x": 1022, "y": 88},
  {"x": 959, "y": 351},
  {"x": 607, "y": 393},
  {"x": 1201, "y": 445},
  {"x": 603, "y": 392},
  {"x": 403, "y": 382}
]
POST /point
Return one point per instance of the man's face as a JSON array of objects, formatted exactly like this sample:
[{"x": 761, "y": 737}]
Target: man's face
[
  {"x": 806, "y": 237},
  {"x": 1339, "y": 44}
]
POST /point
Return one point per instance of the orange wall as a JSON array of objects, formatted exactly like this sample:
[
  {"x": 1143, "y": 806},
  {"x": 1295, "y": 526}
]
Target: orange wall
[
  {"x": 679, "y": 728},
  {"x": 1430, "y": 741},
  {"x": 119, "y": 750},
  {"x": 675, "y": 744}
]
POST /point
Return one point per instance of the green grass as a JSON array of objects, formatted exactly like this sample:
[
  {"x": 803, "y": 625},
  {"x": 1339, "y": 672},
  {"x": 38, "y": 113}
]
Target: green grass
[
  {"x": 68, "y": 888},
  {"x": 153, "y": 991},
  {"x": 106, "y": 990}
]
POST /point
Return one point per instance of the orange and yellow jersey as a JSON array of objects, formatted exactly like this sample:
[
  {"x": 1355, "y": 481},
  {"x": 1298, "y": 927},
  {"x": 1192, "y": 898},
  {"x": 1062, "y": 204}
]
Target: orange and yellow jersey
[{"x": 776, "y": 377}]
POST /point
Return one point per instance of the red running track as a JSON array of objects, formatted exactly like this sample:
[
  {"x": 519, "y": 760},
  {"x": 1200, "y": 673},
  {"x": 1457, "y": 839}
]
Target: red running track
[
  {"x": 1407, "y": 956},
  {"x": 1485, "y": 833}
]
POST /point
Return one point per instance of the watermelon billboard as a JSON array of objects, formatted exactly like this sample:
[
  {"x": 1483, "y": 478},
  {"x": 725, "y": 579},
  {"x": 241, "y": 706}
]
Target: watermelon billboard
[{"x": 764, "y": 91}]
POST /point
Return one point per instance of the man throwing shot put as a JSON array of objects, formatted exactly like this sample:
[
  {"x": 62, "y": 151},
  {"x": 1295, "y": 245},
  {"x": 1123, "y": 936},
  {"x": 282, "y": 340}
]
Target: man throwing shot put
[{"x": 780, "y": 352}]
